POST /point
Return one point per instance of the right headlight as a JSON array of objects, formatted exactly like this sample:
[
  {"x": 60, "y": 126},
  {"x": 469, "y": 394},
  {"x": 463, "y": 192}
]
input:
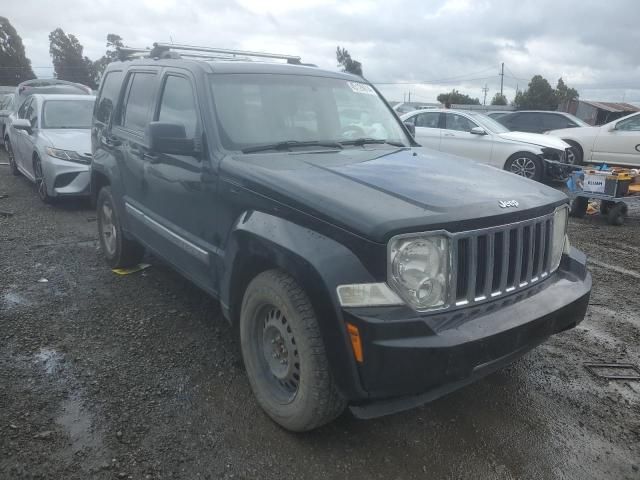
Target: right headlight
[
  {"x": 559, "y": 235},
  {"x": 419, "y": 269}
]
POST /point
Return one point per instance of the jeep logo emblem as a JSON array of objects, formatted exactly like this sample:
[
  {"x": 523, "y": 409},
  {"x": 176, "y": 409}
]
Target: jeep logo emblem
[{"x": 508, "y": 203}]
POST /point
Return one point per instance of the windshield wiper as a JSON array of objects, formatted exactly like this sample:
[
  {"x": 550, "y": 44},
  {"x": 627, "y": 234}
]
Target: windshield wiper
[
  {"x": 286, "y": 145},
  {"x": 364, "y": 141}
]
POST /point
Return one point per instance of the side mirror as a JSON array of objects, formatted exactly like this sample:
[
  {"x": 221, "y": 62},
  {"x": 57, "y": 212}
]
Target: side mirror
[
  {"x": 411, "y": 127},
  {"x": 478, "y": 131},
  {"x": 170, "y": 138},
  {"x": 21, "y": 124},
  {"x": 613, "y": 127}
]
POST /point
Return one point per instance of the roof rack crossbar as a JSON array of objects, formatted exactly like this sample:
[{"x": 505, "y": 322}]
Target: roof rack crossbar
[{"x": 225, "y": 51}]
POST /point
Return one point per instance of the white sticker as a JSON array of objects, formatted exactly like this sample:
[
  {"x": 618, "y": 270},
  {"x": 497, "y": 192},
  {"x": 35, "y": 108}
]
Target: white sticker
[
  {"x": 361, "y": 88},
  {"x": 594, "y": 183}
]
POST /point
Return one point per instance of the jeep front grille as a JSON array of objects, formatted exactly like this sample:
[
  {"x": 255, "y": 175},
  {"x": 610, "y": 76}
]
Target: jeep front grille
[{"x": 492, "y": 262}]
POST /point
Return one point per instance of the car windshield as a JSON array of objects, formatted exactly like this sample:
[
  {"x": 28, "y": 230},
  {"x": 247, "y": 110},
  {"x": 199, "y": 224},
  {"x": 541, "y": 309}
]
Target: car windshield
[
  {"x": 67, "y": 114},
  {"x": 254, "y": 110},
  {"x": 489, "y": 123}
]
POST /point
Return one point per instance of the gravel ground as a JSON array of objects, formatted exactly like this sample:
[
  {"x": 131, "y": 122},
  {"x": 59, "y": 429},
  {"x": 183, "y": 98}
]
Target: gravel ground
[{"x": 105, "y": 376}]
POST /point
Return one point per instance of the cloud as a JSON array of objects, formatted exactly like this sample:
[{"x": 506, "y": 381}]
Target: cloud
[{"x": 441, "y": 43}]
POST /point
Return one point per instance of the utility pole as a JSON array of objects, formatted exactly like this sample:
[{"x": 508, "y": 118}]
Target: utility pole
[
  {"x": 409, "y": 101},
  {"x": 501, "y": 78},
  {"x": 485, "y": 90}
]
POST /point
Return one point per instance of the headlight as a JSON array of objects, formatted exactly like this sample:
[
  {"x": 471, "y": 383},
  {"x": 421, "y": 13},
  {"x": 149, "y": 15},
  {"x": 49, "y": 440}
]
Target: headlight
[
  {"x": 418, "y": 269},
  {"x": 68, "y": 155},
  {"x": 559, "y": 236}
]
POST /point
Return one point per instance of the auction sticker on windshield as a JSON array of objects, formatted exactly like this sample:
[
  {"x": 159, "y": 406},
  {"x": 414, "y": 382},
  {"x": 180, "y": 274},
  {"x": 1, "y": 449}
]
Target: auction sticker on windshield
[{"x": 361, "y": 88}]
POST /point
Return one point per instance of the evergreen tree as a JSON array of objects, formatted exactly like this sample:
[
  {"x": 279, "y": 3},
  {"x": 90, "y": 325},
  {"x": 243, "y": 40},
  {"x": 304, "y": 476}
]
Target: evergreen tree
[{"x": 15, "y": 67}]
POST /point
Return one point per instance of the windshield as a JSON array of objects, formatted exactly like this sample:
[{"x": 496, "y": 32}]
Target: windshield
[
  {"x": 67, "y": 114},
  {"x": 264, "y": 109},
  {"x": 489, "y": 123}
]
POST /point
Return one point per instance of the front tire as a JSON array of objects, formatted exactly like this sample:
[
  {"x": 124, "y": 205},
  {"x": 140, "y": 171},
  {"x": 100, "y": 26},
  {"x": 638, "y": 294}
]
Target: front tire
[
  {"x": 12, "y": 158},
  {"x": 526, "y": 165},
  {"x": 41, "y": 183},
  {"x": 284, "y": 354},
  {"x": 575, "y": 152},
  {"x": 119, "y": 252}
]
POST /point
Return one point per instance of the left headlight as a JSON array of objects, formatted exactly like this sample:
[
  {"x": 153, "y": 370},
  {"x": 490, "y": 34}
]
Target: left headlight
[
  {"x": 68, "y": 155},
  {"x": 559, "y": 238},
  {"x": 419, "y": 269}
]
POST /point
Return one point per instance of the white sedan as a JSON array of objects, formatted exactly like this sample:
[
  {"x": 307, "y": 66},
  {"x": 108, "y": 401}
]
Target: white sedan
[
  {"x": 615, "y": 142},
  {"x": 478, "y": 137}
]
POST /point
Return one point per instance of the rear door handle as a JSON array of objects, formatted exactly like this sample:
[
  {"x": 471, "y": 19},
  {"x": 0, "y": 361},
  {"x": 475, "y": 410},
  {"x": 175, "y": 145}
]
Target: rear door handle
[{"x": 151, "y": 157}]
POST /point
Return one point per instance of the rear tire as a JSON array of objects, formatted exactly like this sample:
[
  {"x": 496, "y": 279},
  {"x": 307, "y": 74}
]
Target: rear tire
[
  {"x": 119, "y": 251},
  {"x": 526, "y": 165},
  {"x": 284, "y": 354},
  {"x": 579, "y": 207},
  {"x": 12, "y": 159}
]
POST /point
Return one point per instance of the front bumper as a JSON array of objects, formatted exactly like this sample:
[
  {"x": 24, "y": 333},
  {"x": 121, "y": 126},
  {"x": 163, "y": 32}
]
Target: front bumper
[
  {"x": 411, "y": 359},
  {"x": 65, "y": 178}
]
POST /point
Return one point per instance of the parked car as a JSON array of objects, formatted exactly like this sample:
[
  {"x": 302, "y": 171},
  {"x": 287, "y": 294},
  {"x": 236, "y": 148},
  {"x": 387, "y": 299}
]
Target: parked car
[
  {"x": 39, "y": 85},
  {"x": 6, "y": 103},
  {"x": 616, "y": 142},
  {"x": 358, "y": 268},
  {"x": 49, "y": 142},
  {"x": 476, "y": 136},
  {"x": 539, "y": 121}
]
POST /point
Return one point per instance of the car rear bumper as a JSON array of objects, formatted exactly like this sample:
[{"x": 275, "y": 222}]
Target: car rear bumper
[{"x": 412, "y": 360}]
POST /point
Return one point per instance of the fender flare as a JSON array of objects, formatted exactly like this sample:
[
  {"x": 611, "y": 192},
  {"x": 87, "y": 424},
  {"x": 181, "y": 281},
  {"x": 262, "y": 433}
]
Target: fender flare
[{"x": 318, "y": 263}]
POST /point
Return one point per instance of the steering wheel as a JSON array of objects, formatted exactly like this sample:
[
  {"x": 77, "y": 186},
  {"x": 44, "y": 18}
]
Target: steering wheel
[{"x": 352, "y": 131}]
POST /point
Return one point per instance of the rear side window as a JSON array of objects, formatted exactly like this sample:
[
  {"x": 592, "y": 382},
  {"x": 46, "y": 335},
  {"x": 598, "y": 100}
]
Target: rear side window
[
  {"x": 108, "y": 96},
  {"x": 135, "y": 112},
  {"x": 178, "y": 104}
]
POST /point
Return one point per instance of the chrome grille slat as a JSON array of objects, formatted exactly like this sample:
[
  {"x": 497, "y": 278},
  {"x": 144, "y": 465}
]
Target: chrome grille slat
[{"x": 486, "y": 264}]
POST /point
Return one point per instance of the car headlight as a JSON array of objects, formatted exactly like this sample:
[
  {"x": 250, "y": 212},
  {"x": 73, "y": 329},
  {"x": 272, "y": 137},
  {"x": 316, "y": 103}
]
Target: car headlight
[
  {"x": 559, "y": 235},
  {"x": 68, "y": 155},
  {"x": 419, "y": 269}
]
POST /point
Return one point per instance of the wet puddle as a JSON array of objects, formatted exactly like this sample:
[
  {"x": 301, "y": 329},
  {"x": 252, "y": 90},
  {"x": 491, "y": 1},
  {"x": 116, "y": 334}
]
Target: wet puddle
[{"x": 13, "y": 299}]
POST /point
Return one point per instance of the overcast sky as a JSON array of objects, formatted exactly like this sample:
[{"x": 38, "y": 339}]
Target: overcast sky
[{"x": 439, "y": 44}]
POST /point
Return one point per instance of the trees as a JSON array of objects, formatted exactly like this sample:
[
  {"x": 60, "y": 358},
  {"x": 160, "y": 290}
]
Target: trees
[
  {"x": 68, "y": 61},
  {"x": 538, "y": 96},
  {"x": 15, "y": 67},
  {"x": 499, "y": 99},
  {"x": 456, "y": 98},
  {"x": 564, "y": 93},
  {"x": 541, "y": 96},
  {"x": 347, "y": 63},
  {"x": 113, "y": 43}
]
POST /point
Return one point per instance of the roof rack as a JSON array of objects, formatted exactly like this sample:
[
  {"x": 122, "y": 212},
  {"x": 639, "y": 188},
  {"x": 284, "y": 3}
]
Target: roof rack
[{"x": 172, "y": 50}]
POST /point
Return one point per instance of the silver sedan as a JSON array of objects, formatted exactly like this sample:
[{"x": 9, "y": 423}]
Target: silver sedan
[{"x": 50, "y": 144}]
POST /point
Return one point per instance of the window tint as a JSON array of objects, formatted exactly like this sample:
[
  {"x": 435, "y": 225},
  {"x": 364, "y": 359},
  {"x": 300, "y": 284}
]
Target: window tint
[
  {"x": 453, "y": 121},
  {"x": 22, "y": 111},
  {"x": 178, "y": 104},
  {"x": 554, "y": 121},
  {"x": 135, "y": 113},
  {"x": 428, "y": 120},
  {"x": 631, "y": 124},
  {"x": 32, "y": 113},
  {"x": 108, "y": 96}
]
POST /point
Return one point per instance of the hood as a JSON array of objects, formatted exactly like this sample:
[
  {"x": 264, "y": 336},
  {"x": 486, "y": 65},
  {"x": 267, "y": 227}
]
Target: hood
[
  {"x": 78, "y": 140},
  {"x": 535, "y": 139},
  {"x": 377, "y": 193}
]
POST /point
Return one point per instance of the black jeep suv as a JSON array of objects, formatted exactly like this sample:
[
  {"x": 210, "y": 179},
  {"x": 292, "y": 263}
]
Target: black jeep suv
[{"x": 360, "y": 269}]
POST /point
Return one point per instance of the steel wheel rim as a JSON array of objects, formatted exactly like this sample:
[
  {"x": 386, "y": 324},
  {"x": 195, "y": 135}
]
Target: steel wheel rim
[
  {"x": 277, "y": 354},
  {"x": 108, "y": 228},
  {"x": 40, "y": 183},
  {"x": 523, "y": 166}
]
